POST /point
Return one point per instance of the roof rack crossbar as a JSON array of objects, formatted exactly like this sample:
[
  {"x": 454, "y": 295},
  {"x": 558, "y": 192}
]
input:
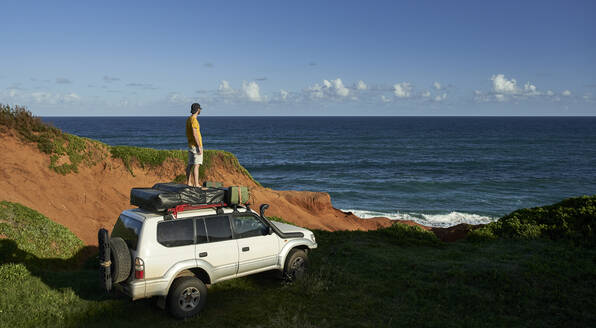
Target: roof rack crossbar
[{"x": 188, "y": 207}]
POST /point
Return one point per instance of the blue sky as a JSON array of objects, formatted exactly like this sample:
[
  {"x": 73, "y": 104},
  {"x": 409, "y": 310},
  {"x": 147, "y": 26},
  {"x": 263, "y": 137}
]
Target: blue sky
[{"x": 300, "y": 57}]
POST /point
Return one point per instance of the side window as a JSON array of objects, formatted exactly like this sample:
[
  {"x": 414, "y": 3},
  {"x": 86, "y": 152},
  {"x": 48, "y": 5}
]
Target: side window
[
  {"x": 127, "y": 229},
  {"x": 248, "y": 226},
  {"x": 201, "y": 231},
  {"x": 175, "y": 233},
  {"x": 218, "y": 228}
]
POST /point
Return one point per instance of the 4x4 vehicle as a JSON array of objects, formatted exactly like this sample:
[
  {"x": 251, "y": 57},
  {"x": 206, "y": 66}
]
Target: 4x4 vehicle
[{"x": 174, "y": 257}]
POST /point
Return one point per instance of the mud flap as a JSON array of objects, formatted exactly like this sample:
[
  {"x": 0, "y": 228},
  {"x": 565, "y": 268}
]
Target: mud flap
[{"x": 104, "y": 259}]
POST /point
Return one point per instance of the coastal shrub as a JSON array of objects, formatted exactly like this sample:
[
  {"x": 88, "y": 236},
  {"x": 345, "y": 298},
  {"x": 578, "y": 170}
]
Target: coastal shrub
[
  {"x": 406, "y": 235},
  {"x": 34, "y": 234},
  {"x": 23, "y": 121},
  {"x": 572, "y": 219},
  {"x": 66, "y": 151},
  {"x": 144, "y": 157}
]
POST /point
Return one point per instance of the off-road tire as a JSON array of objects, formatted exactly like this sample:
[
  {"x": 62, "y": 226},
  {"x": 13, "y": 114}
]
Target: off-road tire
[
  {"x": 121, "y": 261},
  {"x": 187, "y": 296},
  {"x": 296, "y": 265}
]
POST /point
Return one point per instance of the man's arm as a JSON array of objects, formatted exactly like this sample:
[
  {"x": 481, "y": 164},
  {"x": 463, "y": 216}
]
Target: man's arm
[{"x": 196, "y": 136}]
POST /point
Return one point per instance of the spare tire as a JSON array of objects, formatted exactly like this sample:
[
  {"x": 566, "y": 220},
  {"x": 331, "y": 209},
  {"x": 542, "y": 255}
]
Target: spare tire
[{"x": 121, "y": 261}]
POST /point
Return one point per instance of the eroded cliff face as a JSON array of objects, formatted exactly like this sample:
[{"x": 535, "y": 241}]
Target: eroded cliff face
[{"x": 94, "y": 196}]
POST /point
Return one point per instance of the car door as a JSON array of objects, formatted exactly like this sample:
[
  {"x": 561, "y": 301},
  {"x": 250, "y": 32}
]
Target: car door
[
  {"x": 216, "y": 246},
  {"x": 257, "y": 249},
  {"x": 175, "y": 244}
]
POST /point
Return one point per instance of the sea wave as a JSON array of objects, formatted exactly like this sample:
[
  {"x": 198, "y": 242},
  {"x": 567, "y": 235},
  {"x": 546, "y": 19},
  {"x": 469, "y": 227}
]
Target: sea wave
[{"x": 439, "y": 220}]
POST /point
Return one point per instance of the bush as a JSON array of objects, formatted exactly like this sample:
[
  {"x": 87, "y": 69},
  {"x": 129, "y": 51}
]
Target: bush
[
  {"x": 35, "y": 234},
  {"x": 572, "y": 219},
  {"x": 407, "y": 235},
  {"x": 66, "y": 151}
]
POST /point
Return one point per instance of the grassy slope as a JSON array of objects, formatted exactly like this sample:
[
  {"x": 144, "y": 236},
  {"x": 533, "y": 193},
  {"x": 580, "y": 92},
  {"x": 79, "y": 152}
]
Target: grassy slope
[
  {"x": 67, "y": 152},
  {"x": 392, "y": 277}
]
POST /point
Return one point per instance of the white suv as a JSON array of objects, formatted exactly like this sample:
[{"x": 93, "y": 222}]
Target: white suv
[{"x": 173, "y": 257}]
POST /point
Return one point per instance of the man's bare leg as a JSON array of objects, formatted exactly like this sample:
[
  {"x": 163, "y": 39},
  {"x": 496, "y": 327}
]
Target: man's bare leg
[
  {"x": 196, "y": 174},
  {"x": 188, "y": 175}
]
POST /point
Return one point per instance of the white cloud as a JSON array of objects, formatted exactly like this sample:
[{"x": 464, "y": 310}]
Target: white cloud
[
  {"x": 402, "y": 90},
  {"x": 316, "y": 91},
  {"x": 71, "y": 97},
  {"x": 441, "y": 97},
  {"x": 225, "y": 88},
  {"x": 437, "y": 85},
  {"x": 331, "y": 89},
  {"x": 502, "y": 85},
  {"x": 340, "y": 90},
  {"x": 39, "y": 97},
  {"x": 361, "y": 85},
  {"x": 530, "y": 89},
  {"x": 426, "y": 94},
  {"x": 385, "y": 99},
  {"x": 283, "y": 94},
  {"x": 251, "y": 91},
  {"x": 504, "y": 89},
  {"x": 177, "y": 98}
]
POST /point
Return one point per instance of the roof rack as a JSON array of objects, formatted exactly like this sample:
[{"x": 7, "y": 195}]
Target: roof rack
[{"x": 188, "y": 207}]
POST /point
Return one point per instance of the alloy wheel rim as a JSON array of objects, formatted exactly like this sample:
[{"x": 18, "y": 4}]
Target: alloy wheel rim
[{"x": 189, "y": 298}]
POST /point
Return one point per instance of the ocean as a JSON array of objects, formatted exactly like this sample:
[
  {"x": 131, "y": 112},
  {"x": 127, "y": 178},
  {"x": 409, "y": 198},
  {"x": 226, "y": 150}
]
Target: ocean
[{"x": 438, "y": 171}]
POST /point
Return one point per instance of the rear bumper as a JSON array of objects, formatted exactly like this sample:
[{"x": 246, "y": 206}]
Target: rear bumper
[{"x": 134, "y": 290}]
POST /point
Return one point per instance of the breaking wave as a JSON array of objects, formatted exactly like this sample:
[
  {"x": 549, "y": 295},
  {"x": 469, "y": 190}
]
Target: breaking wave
[{"x": 440, "y": 220}]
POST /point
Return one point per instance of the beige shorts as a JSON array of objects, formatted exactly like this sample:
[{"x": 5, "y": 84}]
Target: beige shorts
[{"x": 193, "y": 157}]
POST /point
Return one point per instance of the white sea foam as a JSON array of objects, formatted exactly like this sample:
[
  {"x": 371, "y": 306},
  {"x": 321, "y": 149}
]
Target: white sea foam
[{"x": 442, "y": 220}]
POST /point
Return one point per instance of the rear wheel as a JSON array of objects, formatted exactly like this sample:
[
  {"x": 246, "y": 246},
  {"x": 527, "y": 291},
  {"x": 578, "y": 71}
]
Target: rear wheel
[
  {"x": 296, "y": 265},
  {"x": 187, "y": 296}
]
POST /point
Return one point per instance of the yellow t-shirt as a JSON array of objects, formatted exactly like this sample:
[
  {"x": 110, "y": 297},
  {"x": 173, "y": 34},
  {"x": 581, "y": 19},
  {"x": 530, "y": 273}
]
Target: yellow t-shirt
[{"x": 192, "y": 123}]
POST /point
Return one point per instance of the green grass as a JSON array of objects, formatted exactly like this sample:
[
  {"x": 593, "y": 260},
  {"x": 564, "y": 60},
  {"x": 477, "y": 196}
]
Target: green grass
[
  {"x": 36, "y": 234},
  {"x": 395, "y": 277},
  {"x": 145, "y": 157},
  {"x": 572, "y": 219}
]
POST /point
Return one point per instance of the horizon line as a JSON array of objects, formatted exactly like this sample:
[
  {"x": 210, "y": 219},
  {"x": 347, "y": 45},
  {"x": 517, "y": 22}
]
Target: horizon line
[{"x": 323, "y": 116}]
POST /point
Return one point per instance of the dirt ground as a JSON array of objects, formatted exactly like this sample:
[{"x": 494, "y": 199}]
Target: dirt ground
[{"x": 95, "y": 196}]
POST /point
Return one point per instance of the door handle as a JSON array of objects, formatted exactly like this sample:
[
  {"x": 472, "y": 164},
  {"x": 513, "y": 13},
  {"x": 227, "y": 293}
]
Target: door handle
[
  {"x": 203, "y": 254},
  {"x": 245, "y": 249}
]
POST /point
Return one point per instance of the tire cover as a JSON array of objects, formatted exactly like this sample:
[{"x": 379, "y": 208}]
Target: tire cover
[
  {"x": 121, "y": 261},
  {"x": 104, "y": 257}
]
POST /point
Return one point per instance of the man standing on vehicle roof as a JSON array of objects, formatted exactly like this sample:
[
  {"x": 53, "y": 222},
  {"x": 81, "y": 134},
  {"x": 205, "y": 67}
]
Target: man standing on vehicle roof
[{"x": 195, "y": 145}]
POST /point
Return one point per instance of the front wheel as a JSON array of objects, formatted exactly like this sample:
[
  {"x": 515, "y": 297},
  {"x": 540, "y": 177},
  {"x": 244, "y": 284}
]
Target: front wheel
[
  {"x": 187, "y": 297},
  {"x": 296, "y": 265}
]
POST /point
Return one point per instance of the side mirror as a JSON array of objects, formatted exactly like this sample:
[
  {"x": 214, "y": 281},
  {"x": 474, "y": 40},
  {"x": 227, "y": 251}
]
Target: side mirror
[
  {"x": 269, "y": 230},
  {"x": 262, "y": 209}
]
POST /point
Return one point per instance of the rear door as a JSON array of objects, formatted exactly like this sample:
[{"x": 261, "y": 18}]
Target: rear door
[
  {"x": 175, "y": 244},
  {"x": 257, "y": 249},
  {"x": 216, "y": 246}
]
